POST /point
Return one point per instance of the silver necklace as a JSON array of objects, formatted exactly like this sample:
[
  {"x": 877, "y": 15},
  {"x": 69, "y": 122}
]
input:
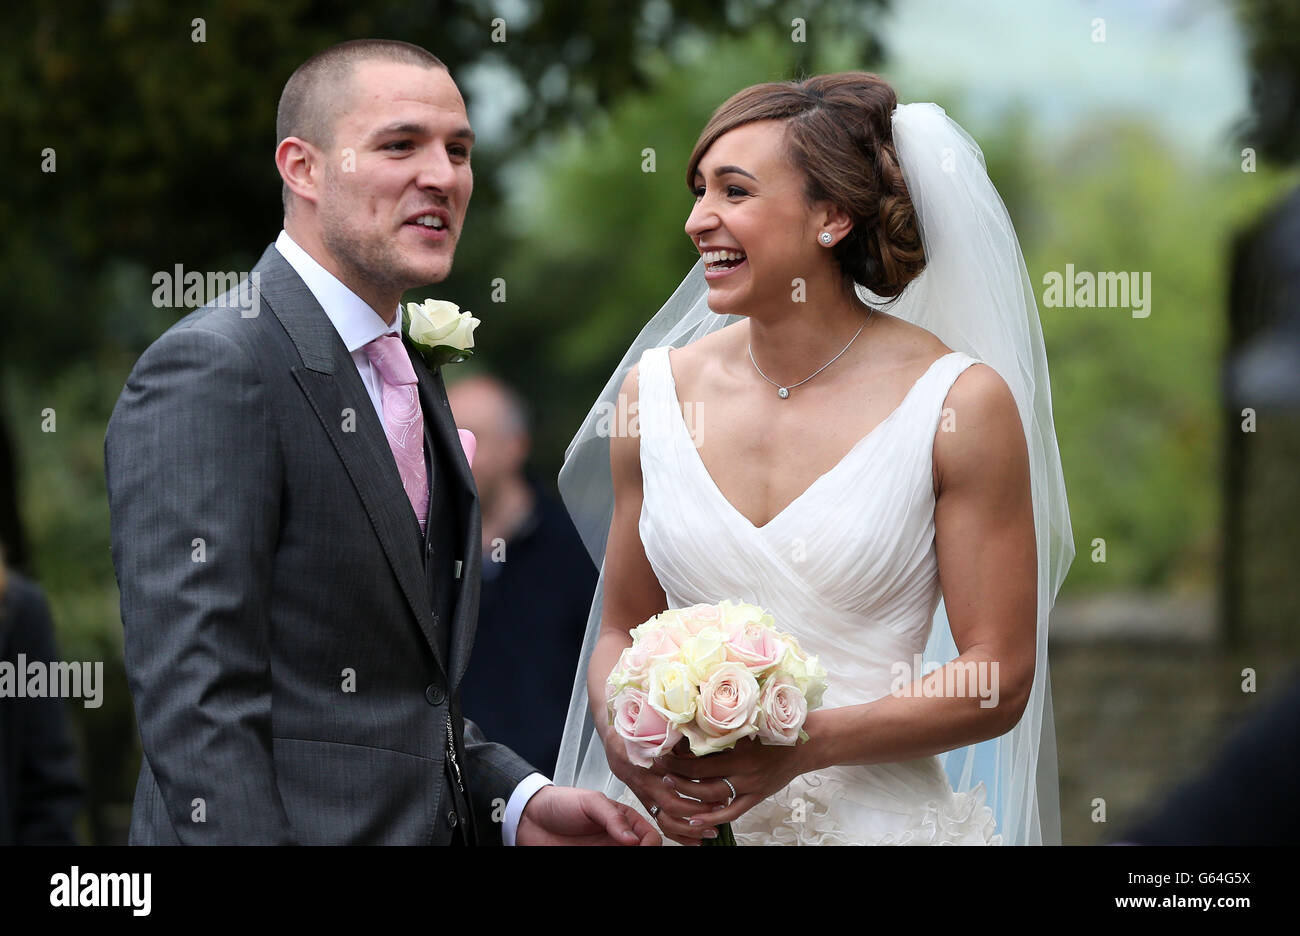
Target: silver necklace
[{"x": 784, "y": 392}]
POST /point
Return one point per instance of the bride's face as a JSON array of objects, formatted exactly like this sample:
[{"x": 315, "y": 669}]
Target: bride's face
[{"x": 751, "y": 221}]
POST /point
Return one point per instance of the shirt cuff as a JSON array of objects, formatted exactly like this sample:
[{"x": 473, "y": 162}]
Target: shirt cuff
[{"x": 518, "y": 800}]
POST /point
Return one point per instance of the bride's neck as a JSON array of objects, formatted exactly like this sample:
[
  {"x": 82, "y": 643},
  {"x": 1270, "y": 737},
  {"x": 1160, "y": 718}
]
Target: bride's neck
[{"x": 791, "y": 343}]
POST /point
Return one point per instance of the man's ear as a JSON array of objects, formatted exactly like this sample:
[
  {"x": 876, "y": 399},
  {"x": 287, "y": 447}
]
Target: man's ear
[
  {"x": 834, "y": 219},
  {"x": 300, "y": 163}
]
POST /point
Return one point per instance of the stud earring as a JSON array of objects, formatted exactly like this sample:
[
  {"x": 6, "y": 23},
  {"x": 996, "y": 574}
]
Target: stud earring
[{"x": 825, "y": 238}]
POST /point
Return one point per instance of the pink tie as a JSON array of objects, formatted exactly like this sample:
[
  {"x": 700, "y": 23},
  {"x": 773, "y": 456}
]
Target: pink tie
[{"x": 403, "y": 421}]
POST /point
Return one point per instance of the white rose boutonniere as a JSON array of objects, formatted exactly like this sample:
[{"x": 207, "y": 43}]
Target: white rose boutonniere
[{"x": 440, "y": 331}]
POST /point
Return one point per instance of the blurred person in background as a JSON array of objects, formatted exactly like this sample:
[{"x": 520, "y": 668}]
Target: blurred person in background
[
  {"x": 40, "y": 786},
  {"x": 537, "y": 582}
]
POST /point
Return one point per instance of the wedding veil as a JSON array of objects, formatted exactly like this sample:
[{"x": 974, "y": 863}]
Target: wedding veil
[{"x": 975, "y": 295}]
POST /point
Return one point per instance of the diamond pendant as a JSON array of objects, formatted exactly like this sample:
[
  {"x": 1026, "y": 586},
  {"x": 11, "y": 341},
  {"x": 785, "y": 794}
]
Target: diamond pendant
[{"x": 782, "y": 392}]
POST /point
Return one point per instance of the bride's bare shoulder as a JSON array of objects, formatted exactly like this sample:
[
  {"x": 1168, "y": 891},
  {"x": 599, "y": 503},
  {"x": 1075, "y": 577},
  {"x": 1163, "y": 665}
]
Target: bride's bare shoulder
[
  {"x": 689, "y": 361},
  {"x": 909, "y": 342}
]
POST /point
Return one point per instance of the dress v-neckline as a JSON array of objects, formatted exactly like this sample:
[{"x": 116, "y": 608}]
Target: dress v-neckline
[{"x": 680, "y": 420}]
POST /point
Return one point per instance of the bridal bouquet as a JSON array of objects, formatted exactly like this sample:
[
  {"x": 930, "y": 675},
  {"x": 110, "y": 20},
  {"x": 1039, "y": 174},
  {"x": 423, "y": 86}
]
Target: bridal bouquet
[{"x": 713, "y": 674}]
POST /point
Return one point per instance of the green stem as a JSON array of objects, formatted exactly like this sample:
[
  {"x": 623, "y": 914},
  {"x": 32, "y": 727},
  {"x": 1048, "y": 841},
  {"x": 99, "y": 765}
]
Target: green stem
[{"x": 725, "y": 836}]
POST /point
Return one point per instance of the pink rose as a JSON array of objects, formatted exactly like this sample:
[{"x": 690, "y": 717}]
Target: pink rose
[
  {"x": 649, "y": 646},
  {"x": 659, "y": 645},
  {"x": 782, "y": 710},
  {"x": 633, "y": 664},
  {"x": 646, "y": 734},
  {"x": 697, "y": 617},
  {"x": 755, "y": 647},
  {"x": 727, "y": 706}
]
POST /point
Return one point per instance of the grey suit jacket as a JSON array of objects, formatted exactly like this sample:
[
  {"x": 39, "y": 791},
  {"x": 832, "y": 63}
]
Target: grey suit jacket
[{"x": 291, "y": 681}]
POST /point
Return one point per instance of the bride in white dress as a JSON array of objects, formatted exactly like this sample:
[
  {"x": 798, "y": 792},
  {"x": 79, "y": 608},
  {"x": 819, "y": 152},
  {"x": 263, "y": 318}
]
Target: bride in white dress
[{"x": 881, "y": 476}]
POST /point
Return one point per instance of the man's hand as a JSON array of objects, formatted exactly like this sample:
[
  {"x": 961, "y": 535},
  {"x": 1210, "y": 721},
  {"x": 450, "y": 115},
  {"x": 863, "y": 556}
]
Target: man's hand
[{"x": 570, "y": 816}]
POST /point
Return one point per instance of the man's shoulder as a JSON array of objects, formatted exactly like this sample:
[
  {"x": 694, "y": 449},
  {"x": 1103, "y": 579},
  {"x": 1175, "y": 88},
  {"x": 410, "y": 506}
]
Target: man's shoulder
[
  {"x": 241, "y": 311},
  {"x": 242, "y": 316}
]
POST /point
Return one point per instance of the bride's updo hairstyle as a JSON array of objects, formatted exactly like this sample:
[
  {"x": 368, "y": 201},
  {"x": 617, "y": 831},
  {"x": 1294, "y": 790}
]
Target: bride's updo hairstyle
[{"x": 839, "y": 133}]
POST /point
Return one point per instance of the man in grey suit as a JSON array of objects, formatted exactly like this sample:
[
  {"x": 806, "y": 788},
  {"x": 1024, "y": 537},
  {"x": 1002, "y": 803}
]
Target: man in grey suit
[{"x": 299, "y": 574}]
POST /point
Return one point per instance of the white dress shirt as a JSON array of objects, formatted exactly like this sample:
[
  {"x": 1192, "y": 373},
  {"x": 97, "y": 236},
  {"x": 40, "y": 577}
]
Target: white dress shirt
[{"x": 358, "y": 324}]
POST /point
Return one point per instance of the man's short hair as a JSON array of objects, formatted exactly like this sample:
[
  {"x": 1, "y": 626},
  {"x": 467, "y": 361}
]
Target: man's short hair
[{"x": 317, "y": 91}]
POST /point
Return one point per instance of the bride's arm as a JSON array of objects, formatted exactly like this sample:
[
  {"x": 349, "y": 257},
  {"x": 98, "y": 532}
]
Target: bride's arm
[
  {"x": 988, "y": 569},
  {"x": 985, "y": 545},
  {"x": 632, "y": 595}
]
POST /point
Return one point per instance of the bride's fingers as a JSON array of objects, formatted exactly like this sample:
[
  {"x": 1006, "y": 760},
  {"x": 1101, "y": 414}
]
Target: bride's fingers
[
  {"x": 673, "y": 815},
  {"x": 711, "y": 792},
  {"x": 689, "y": 768},
  {"x": 664, "y": 796},
  {"x": 743, "y": 804},
  {"x": 680, "y": 830}
]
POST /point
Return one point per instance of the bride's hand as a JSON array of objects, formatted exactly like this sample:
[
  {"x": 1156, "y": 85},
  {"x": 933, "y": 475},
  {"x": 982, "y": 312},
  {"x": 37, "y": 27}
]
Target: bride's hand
[
  {"x": 755, "y": 770},
  {"x": 649, "y": 786}
]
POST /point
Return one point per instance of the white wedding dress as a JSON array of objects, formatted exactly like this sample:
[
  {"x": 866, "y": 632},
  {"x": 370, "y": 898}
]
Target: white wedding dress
[{"x": 849, "y": 568}]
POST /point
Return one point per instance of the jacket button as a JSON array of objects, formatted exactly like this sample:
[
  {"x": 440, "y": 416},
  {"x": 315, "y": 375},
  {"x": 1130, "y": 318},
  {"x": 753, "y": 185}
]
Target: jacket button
[
  {"x": 453, "y": 820},
  {"x": 434, "y": 695}
]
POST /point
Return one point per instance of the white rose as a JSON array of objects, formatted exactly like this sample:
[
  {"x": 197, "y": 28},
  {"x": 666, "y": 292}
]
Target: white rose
[
  {"x": 666, "y": 621},
  {"x": 738, "y": 613},
  {"x": 438, "y": 323},
  {"x": 630, "y": 670},
  {"x": 672, "y": 693},
  {"x": 703, "y": 652},
  {"x": 808, "y": 674},
  {"x": 699, "y": 616}
]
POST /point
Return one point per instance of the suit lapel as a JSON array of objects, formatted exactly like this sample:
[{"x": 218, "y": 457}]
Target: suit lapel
[
  {"x": 329, "y": 379},
  {"x": 441, "y": 426}
]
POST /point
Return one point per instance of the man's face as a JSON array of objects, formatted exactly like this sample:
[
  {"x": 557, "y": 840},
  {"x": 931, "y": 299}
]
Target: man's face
[{"x": 397, "y": 177}]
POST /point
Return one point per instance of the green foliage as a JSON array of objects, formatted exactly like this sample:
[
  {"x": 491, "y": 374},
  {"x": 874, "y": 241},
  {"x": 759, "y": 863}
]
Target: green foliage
[{"x": 1136, "y": 399}]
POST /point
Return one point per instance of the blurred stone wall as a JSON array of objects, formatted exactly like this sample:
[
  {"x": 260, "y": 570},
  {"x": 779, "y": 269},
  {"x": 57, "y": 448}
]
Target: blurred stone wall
[{"x": 1145, "y": 692}]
